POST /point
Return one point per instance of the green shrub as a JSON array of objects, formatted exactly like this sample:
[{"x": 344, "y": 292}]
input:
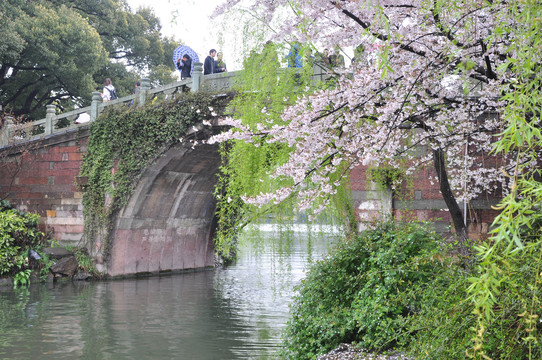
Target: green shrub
[
  {"x": 364, "y": 291},
  {"x": 393, "y": 288},
  {"x": 442, "y": 327},
  {"x": 445, "y": 326},
  {"x": 85, "y": 261},
  {"x": 18, "y": 234},
  {"x": 22, "y": 278}
]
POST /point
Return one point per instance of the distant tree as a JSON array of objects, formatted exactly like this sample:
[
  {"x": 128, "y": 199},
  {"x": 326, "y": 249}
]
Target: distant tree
[
  {"x": 52, "y": 58},
  {"x": 59, "y": 51}
]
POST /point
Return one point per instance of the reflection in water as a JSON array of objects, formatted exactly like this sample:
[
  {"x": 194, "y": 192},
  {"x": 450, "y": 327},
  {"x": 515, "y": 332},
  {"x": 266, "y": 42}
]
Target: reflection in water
[{"x": 232, "y": 313}]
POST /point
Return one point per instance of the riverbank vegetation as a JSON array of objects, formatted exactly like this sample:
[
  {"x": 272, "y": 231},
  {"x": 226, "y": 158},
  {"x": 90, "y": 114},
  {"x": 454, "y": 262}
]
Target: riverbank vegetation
[
  {"x": 19, "y": 236},
  {"x": 364, "y": 291},
  {"x": 397, "y": 287}
]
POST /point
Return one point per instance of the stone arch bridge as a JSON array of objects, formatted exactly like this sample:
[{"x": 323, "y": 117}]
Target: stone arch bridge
[{"x": 168, "y": 223}]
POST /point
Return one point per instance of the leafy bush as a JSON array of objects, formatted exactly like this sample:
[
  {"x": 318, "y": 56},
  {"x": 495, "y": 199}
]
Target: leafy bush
[
  {"x": 22, "y": 278},
  {"x": 85, "y": 261},
  {"x": 394, "y": 287},
  {"x": 442, "y": 327},
  {"x": 18, "y": 234},
  {"x": 445, "y": 327},
  {"x": 364, "y": 291}
]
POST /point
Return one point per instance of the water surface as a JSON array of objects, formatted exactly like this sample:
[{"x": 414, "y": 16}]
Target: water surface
[{"x": 236, "y": 312}]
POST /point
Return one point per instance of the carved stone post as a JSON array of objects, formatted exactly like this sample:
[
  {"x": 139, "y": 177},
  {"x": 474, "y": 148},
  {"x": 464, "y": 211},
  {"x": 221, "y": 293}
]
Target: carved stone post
[
  {"x": 50, "y": 119},
  {"x": 7, "y": 131},
  {"x": 94, "y": 106},
  {"x": 143, "y": 91},
  {"x": 197, "y": 76}
]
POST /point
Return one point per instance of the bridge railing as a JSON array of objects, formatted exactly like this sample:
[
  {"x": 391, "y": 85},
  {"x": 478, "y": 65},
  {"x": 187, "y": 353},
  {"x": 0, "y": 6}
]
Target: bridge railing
[{"x": 53, "y": 123}]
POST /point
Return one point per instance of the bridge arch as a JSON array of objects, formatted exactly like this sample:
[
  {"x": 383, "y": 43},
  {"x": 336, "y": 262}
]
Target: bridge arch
[{"x": 168, "y": 223}]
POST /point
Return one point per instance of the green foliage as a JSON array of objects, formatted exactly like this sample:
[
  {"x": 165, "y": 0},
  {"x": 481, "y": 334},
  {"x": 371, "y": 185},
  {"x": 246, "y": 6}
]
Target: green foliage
[
  {"x": 18, "y": 233},
  {"x": 443, "y": 329},
  {"x": 263, "y": 93},
  {"x": 59, "y": 51},
  {"x": 386, "y": 176},
  {"x": 392, "y": 178},
  {"x": 22, "y": 278},
  {"x": 84, "y": 259},
  {"x": 125, "y": 140},
  {"x": 45, "y": 267},
  {"x": 517, "y": 231},
  {"x": 393, "y": 288},
  {"x": 240, "y": 175},
  {"x": 363, "y": 291},
  {"x": 389, "y": 177}
]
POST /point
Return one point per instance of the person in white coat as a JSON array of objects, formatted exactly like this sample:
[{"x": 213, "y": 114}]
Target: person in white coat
[{"x": 109, "y": 91}]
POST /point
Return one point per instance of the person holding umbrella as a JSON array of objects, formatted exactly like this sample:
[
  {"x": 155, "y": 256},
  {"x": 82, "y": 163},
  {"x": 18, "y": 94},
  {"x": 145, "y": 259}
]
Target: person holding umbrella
[
  {"x": 187, "y": 65},
  {"x": 209, "y": 64},
  {"x": 184, "y": 64}
]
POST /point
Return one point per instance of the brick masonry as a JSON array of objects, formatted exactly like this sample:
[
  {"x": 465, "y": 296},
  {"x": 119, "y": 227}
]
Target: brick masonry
[
  {"x": 421, "y": 201},
  {"x": 168, "y": 223},
  {"x": 40, "y": 177}
]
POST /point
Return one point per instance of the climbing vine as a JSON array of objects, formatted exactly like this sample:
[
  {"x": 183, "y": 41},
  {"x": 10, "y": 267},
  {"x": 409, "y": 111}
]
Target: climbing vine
[{"x": 123, "y": 142}]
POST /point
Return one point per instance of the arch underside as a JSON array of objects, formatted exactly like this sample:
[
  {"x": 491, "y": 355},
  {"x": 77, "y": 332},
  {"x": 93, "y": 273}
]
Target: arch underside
[{"x": 168, "y": 222}]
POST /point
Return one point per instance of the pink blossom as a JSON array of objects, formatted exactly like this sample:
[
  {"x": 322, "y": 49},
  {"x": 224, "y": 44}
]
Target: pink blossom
[{"x": 423, "y": 85}]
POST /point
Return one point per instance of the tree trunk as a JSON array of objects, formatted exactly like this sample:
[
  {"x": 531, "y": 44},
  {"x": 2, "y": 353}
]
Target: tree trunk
[{"x": 449, "y": 198}]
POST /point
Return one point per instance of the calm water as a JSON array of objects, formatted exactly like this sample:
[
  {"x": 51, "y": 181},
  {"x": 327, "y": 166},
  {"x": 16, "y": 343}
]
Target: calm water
[{"x": 232, "y": 313}]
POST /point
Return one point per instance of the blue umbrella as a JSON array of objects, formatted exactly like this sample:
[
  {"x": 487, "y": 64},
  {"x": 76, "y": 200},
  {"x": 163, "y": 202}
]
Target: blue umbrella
[{"x": 185, "y": 50}]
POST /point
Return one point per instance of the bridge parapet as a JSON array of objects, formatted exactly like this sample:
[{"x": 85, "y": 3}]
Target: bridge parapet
[{"x": 13, "y": 133}]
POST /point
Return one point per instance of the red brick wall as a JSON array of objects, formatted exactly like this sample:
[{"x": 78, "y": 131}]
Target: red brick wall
[
  {"x": 40, "y": 178},
  {"x": 419, "y": 200}
]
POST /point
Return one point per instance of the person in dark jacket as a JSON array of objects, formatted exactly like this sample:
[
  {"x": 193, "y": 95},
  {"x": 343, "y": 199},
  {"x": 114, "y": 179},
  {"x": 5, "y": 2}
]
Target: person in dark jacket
[
  {"x": 325, "y": 58},
  {"x": 209, "y": 64},
  {"x": 185, "y": 66}
]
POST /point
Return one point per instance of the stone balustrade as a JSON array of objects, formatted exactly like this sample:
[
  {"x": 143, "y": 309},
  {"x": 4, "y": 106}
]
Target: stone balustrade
[{"x": 12, "y": 133}]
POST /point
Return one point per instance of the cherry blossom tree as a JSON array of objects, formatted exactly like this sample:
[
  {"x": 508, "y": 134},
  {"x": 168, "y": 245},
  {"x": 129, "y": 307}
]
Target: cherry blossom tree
[{"x": 427, "y": 91}]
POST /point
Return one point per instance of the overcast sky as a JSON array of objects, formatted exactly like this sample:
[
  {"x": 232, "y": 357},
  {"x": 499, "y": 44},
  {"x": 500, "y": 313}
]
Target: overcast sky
[{"x": 188, "y": 20}]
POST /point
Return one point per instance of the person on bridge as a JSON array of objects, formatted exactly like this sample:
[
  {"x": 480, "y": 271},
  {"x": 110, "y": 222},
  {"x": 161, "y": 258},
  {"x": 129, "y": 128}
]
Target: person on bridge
[
  {"x": 294, "y": 57},
  {"x": 185, "y": 66},
  {"x": 135, "y": 91},
  {"x": 220, "y": 65},
  {"x": 324, "y": 58},
  {"x": 209, "y": 64},
  {"x": 336, "y": 59},
  {"x": 108, "y": 92}
]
